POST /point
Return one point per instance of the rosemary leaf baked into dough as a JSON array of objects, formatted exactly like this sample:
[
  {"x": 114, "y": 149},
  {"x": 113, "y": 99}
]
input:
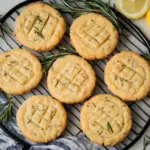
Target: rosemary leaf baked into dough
[
  {"x": 20, "y": 71},
  {"x": 127, "y": 75},
  {"x": 39, "y": 27},
  {"x": 93, "y": 36},
  {"x": 71, "y": 79},
  {"x": 41, "y": 118},
  {"x": 105, "y": 119}
]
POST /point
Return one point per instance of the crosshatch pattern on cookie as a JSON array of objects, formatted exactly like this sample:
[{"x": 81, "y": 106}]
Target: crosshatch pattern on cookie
[
  {"x": 127, "y": 78},
  {"x": 98, "y": 122},
  {"x": 36, "y": 26},
  {"x": 17, "y": 69},
  {"x": 41, "y": 116},
  {"x": 71, "y": 77},
  {"x": 93, "y": 34},
  {"x": 105, "y": 119}
]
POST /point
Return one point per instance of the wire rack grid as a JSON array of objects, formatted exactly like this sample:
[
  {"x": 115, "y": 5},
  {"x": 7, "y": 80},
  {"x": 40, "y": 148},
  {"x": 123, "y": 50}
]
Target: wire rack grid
[{"x": 131, "y": 39}]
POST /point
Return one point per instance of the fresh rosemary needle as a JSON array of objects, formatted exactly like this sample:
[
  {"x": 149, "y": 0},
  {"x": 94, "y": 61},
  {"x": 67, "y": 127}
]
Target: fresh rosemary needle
[
  {"x": 109, "y": 128},
  {"x": 6, "y": 109}
]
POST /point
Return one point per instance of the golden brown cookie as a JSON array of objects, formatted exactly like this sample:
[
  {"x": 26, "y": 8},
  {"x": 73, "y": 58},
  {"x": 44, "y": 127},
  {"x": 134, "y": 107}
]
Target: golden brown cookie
[
  {"x": 71, "y": 79},
  {"x": 127, "y": 75},
  {"x": 20, "y": 71},
  {"x": 105, "y": 119},
  {"x": 39, "y": 27},
  {"x": 93, "y": 36},
  {"x": 41, "y": 118}
]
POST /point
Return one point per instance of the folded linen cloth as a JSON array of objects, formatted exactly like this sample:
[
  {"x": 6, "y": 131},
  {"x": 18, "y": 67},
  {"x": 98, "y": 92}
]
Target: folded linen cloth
[{"x": 69, "y": 143}]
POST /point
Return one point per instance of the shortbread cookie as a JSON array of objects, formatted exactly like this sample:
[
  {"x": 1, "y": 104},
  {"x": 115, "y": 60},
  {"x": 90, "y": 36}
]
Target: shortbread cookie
[
  {"x": 71, "y": 79},
  {"x": 20, "y": 71},
  {"x": 105, "y": 119},
  {"x": 41, "y": 118},
  {"x": 39, "y": 27},
  {"x": 127, "y": 75},
  {"x": 93, "y": 36}
]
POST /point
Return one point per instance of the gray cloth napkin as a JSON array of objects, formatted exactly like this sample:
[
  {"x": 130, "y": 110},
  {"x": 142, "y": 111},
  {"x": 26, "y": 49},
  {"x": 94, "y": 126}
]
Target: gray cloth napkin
[{"x": 68, "y": 143}]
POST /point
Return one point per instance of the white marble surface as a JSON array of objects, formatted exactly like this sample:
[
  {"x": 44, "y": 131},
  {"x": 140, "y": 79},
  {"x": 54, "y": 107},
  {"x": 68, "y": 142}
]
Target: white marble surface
[{"x": 8, "y": 4}]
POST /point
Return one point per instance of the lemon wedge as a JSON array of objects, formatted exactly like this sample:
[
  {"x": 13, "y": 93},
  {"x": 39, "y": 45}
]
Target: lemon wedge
[
  {"x": 148, "y": 18},
  {"x": 133, "y": 9}
]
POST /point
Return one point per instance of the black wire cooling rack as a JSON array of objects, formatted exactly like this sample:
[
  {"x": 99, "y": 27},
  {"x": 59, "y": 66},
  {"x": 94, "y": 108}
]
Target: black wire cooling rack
[{"x": 131, "y": 39}]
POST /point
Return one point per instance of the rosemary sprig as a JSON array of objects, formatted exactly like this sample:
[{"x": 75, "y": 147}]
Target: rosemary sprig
[
  {"x": 109, "y": 128},
  {"x": 47, "y": 60},
  {"x": 6, "y": 110},
  {"x": 146, "y": 142},
  {"x": 146, "y": 55},
  {"x": 97, "y": 6}
]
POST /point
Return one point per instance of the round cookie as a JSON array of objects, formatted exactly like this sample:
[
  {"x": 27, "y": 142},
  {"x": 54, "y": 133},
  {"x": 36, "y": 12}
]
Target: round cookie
[
  {"x": 39, "y": 27},
  {"x": 127, "y": 75},
  {"x": 20, "y": 71},
  {"x": 93, "y": 36},
  {"x": 71, "y": 79},
  {"x": 41, "y": 118},
  {"x": 105, "y": 119}
]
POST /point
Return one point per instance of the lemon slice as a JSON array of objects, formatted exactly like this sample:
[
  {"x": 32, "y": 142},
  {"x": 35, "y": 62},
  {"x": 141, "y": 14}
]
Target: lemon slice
[
  {"x": 133, "y": 9},
  {"x": 148, "y": 18}
]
